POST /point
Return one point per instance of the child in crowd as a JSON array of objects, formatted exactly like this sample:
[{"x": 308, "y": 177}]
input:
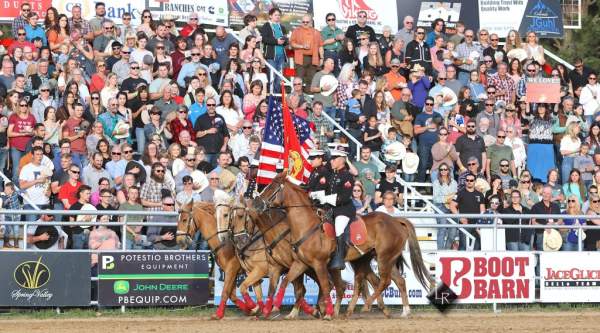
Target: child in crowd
[
  {"x": 353, "y": 103},
  {"x": 585, "y": 163},
  {"x": 10, "y": 200}
]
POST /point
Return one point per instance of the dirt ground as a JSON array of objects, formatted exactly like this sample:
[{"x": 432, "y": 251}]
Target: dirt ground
[{"x": 465, "y": 321}]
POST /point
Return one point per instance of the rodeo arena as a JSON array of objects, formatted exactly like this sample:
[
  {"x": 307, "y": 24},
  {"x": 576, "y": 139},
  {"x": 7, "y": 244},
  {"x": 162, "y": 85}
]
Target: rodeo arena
[{"x": 302, "y": 166}]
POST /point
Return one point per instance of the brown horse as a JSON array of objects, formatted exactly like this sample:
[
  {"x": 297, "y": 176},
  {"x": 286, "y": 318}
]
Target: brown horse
[
  {"x": 274, "y": 226},
  {"x": 387, "y": 237},
  {"x": 251, "y": 251},
  {"x": 200, "y": 216}
]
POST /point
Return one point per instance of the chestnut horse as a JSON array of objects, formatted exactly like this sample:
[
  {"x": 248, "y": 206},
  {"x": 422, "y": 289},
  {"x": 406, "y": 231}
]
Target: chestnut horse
[
  {"x": 275, "y": 233},
  {"x": 200, "y": 216},
  {"x": 387, "y": 237},
  {"x": 252, "y": 254}
]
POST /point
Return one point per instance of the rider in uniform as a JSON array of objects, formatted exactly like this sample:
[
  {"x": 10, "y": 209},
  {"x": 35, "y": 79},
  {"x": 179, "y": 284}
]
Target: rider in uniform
[
  {"x": 338, "y": 193},
  {"x": 320, "y": 173}
]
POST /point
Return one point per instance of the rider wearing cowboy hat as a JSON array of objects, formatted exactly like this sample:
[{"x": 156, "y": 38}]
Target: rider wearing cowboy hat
[{"x": 338, "y": 193}]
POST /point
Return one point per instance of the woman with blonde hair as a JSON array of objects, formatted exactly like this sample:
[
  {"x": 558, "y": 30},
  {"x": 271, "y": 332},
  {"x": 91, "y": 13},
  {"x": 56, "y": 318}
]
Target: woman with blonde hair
[
  {"x": 110, "y": 90},
  {"x": 534, "y": 50},
  {"x": 570, "y": 145},
  {"x": 513, "y": 41},
  {"x": 373, "y": 60},
  {"x": 570, "y": 238}
]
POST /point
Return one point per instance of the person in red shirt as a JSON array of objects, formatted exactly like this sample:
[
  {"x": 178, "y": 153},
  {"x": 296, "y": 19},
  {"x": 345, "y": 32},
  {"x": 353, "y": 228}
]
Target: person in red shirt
[
  {"x": 68, "y": 192},
  {"x": 75, "y": 130},
  {"x": 181, "y": 123}
]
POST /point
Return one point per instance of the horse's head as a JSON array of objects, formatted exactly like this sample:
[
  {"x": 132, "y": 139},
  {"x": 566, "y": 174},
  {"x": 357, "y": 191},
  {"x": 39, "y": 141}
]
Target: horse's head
[
  {"x": 223, "y": 203},
  {"x": 241, "y": 225},
  {"x": 186, "y": 227},
  {"x": 271, "y": 196}
]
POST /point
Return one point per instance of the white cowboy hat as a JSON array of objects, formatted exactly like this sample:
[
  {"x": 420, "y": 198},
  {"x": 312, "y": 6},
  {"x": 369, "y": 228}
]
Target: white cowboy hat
[
  {"x": 474, "y": 55},
  {"x": 199, "y": 178},
  {"x": 572, "y": 119},
  {"x": 449, "y": 98},
  {"x": 410, "y": 163},
  {"x": 417, "y": 68},
  {"x": 122, "y": 130},
  {"x": 395, "y": 151},
  {"x": 489, "y": 140},
  {"x": 328, "y": 80},
  {"x": 552, "y": 240},
  {"x": 145, "y": 115},
  {"x": 482, "y": 185},
  {"x": 517, "y": 53},
  {"x": 86, "y": 218}
]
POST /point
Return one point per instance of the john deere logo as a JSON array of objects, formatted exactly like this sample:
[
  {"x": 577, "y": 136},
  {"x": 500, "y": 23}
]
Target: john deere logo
[
  {"x": 32, "y": 274},
  {"x": 121, "y": 287}
]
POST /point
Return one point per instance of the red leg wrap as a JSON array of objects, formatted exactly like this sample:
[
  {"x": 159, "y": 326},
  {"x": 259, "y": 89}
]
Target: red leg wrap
[
  {"x": 249, "y": 302},
  {"x": 266, "y": 310},
  {"x": 328, "y": 306},
  {"x": 221, "y": 309},
  {"x": 240, "y": 304},
  {"x": 279, "y": 297},
  {"x": 309, "y": 310}
]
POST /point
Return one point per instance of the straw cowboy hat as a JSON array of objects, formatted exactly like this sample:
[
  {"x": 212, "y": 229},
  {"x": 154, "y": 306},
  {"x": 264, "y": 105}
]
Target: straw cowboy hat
[
  {"x": 122, "y": 129},
  {"x": 227, "y": 180},
  {"x": 328, "y": 80},
  {"x": 395, "y": 151},
  {"x": 410, "y": 163},
  {"x": 518, "y": 53},
  {"x": 552, "y": 240},
  {"x": 449, "y": 98},
  {"x": 417, "y": 68},
  {"x": 86, "y": 218}
]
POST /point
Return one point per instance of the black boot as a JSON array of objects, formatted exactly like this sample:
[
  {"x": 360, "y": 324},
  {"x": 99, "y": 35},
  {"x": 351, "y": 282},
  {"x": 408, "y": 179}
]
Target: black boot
[{"x": 337, "y": 262}]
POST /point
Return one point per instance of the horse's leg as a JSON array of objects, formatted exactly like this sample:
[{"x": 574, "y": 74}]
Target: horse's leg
[
  {"x": 383, "y": 264},
  {"x": 321, "y": 271},
  {"x": 340, "y": 289},
  {"x": 259, "y": 295},
  {"x": 253, "y": 277},
  {"x": 374, "y": 281},
  {"x": 294, "y": 272},
  {"x": 231, "y": 271},
  {"x": 359, "y": 275},
  {"x": 273, "y": 281},
  {"x": 401, "y": 284}
]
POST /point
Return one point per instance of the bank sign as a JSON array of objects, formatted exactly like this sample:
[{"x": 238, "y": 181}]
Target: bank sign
[
  {"x": 153, "y": 279},
  {"x": 33, "y": 279}
]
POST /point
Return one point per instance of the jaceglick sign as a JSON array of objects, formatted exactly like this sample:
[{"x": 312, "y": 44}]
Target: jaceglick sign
[
  {"x": 32, "y": 279},
  {"x": 488, "y": 277},
  {"x": 153, "y": 278},
  {"x": 570, "y": 277}
]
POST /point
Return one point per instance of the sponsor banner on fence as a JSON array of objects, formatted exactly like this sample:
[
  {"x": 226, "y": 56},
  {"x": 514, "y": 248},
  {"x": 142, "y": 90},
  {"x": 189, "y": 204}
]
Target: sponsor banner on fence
[
  {"x": 391, "y": 296},
  {"x": 543, "y": 90},
  {"x": 32, "y": 279},
  {"x": 214, "y": 12},
  {"x": 12, "y": 8},
  {"x": 425, "y": 12},
  {"x": 379, "y": 13},
  {"x": 542, "y": 16},
  {"x": 569, "y": 277},
  {"x": 292, "y": 10},
  {"x": 487, "y": 277},
  {"x": 153, "y": 278}
]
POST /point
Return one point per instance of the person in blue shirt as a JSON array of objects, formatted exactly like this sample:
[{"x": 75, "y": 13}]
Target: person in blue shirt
[
  {"x": 198, "y": 108},
  {"x": 33, "y": 30},
  {"x": 190, "y": 68}
]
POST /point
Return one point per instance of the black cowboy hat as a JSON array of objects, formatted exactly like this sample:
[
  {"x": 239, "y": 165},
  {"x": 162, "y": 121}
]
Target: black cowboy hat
[
  {"x": 172, "y": 242},
  {"x": 52, "y": 239}
]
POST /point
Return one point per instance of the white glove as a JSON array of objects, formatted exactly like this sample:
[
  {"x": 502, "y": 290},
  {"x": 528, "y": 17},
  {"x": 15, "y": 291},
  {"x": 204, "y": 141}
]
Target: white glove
[
  {"x": 330, "y": 199},
  {"x": 317, "y": 195}
]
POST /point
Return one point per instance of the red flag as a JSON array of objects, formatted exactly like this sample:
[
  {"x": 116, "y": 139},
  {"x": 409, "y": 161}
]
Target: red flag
[{"x": 293, "y": 159}]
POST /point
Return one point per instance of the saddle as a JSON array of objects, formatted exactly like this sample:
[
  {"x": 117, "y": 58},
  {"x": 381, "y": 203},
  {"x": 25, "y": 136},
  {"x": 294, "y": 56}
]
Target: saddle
[{"x": 355, "y": 232}]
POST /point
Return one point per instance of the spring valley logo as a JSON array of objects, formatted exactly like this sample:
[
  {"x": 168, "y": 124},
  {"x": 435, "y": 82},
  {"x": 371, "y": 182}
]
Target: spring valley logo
[{"x": 32, "y": 274}]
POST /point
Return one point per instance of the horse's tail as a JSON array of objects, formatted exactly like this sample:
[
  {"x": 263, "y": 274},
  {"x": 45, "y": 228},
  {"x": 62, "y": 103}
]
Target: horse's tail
[{"x": 416, "y": 259}]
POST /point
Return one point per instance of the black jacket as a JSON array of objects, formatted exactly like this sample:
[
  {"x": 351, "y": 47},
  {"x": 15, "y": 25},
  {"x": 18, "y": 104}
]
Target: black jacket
[
  {"x": 269, "y": 41},
  {"x": 418, "y": 54},
  {"x": 354, "y": 31},
  {"x": 341, "y": 183}
]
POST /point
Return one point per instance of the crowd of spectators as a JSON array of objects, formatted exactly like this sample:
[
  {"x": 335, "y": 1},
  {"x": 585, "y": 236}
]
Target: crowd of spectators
[{"x": 149, "y": 115}]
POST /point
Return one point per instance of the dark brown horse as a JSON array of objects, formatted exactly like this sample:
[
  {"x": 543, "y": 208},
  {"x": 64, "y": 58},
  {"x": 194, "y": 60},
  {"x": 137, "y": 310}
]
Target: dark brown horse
[
  {"x": 200, "y": 216},
  {"x": 387, "y": 237}
]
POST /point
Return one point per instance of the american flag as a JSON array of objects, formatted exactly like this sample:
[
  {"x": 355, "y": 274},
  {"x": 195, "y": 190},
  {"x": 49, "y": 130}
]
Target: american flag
[{"x": 273, "y": 151}]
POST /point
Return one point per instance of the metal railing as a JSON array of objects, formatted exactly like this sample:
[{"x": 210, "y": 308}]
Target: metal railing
[{"x": 18, "y": 190}]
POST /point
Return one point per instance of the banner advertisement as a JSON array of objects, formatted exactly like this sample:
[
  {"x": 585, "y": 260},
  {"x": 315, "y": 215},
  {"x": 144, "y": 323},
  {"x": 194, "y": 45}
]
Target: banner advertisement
[
  {"x": 542, "y": 90},
  {"x": 425, "y": 12},
  {"x": 569, "y": 277},
  {"x": 12, "y": 8},
  {"x": 32, "y": 279},
  {"x": 153, "y": 279},
  {"x": 488, "y": 277},
  {"x": 213, "y": 12},
  {"x": 541, "y": 16},
  {"x": 292, "y": 10},
  {"x": 391, "y": 296},
  {"x": 379, "y": 13}
]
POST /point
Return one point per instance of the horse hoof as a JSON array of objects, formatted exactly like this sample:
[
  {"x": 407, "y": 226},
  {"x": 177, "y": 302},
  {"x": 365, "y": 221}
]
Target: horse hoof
[
  {"x": 317, "y": 314},
  {"x": 405, "y": 314},
  {"x": 365, "y": 309},
  {"x": 216, "y": 316},
  {"x": 348, "y": 314},
  {"x": 327, "y": 317},
  {"x": 254, "y": 311},
  {"x": 291, "y": 316},
  {"x": 387, "y": 313}
]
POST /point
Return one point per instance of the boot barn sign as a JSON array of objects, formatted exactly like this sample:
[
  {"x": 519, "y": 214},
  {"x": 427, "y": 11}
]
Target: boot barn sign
[{"x": 488, "y": 277}]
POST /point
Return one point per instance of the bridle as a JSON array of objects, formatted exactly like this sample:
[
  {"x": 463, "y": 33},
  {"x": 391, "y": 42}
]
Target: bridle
[
  {"x": 252, "y": 235},
  {"x": 262, "y": 205},
  {"x": 190, "y": 236}
]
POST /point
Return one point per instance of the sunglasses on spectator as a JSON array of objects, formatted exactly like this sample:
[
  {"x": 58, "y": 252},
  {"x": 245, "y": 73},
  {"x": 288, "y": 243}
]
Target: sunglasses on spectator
[
  {"x": 75, "y": 171},
  {"x": 168, "y": 204},
  {"x": 525, "y": 181},
  {"x": 211, "y": 104},
  {"x": 470, "y": 126},
  {"x": 135, "y": 67},
  {"x": 420, "y": 33},
  {"x": 191, "y": 159},
  {"x": 470, "y": 180},
  {"x": 127, "y": 151},
  {"x": 196, "y": 54},
  {"x": 21, "y": 34},
  {"x": 44, "y": 90},
  {"x": 429, "y": 104},
  {"x": 441, "y": 78},
  {"x": 180, "y": 111},
  {"x": 331, "y": 19},
  {"x": 160, "y": 47},
  {"x": 146, "y": 16},
  {"x": 159, "y": 171},
  {"x": 214, "y": 178},
  {"x": 472, "y": 164},
  {"x": 125, "y": 52},
  {"x": 247, "y": 127},
  {"x": 201, "y": 74},
  {"x": 595, "y": 201},
  {"x": 501, "y": 136},
  {"x": 443, "y": 134},
  {"x": 592, "y": 78},
  {"x": 95, "y": 97},
  {"x": 443, "y": 169},
  {"x": 504, "y": 165},
  {"x": 23, "y": 105},
  {"x": 489, "y": 104}
]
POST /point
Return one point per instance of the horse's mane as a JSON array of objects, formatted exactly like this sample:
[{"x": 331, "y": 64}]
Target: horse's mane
[{"x": 207, "y": 207}]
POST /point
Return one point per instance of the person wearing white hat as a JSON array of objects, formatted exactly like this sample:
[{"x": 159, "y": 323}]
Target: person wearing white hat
[
  {"x": 338, "y": 193},
  {"x": 469, "y": 54},
  {"x": 318, "y": 177}
]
